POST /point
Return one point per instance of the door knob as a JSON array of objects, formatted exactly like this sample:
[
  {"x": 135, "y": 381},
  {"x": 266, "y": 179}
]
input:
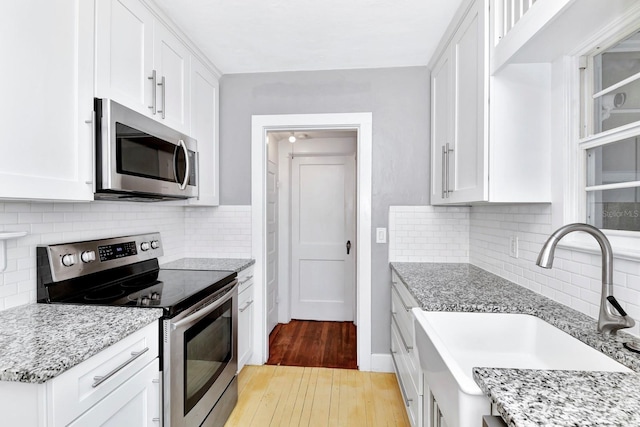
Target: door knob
[{"x": 348, "y": 246}]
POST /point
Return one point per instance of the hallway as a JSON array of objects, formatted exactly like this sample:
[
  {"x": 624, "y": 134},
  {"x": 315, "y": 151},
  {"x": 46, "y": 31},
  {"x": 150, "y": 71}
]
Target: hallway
[{"x": 314, "y": 344}]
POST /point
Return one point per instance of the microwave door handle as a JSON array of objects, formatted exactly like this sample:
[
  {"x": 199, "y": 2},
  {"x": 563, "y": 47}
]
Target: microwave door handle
[{"x": 187, "y": 170}]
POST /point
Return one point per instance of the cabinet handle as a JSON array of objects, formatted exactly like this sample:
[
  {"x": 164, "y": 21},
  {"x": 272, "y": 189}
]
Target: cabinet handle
[
  {"x": 153, "y": 92},
  {"x": 404, "y": 342},
  {"x": 164, "y": 96},
  {"x": 92, "y": 122},
  {"x": 449, "y": 150},
  {"x": 246, "y": 306},
  {"x": 444, "y": 172},
  {"x": 404, "y": 393},
  {"x": 134, "y": 355},
  {"x": 246, "y": 279}
]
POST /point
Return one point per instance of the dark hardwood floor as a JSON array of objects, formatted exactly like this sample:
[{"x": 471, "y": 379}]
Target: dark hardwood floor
[{"x": 314, "y": 344}]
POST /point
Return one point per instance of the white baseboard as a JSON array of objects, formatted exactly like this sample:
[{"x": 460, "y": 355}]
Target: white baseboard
[{"x": 381, "y": 362}]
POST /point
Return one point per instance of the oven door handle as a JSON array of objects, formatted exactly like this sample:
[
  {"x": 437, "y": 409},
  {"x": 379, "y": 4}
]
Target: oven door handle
[{"x": 206, "y": 310}]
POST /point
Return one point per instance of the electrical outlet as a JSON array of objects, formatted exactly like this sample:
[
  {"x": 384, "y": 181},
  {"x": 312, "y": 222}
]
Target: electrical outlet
[{"x": 513, "y": 246}]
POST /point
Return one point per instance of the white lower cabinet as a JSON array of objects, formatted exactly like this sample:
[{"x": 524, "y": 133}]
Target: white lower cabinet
[
  {"x": 119, "y": 386},
  {"x": 134, "y": 403},
  {"x": 404, "y": 352},
  {"x": 245, "y": 317}
]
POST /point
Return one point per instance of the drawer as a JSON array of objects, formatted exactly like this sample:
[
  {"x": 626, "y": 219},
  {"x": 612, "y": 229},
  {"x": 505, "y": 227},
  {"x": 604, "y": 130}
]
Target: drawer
[
  {"x": 402, "y": 317},
  {"x": 403, "y": 292},
  {"x": 404, "y": 374},
  {"x": 245, "y": 279},
  {"x": 77, "y": 390},
  {"x": 245, "y": 297}
]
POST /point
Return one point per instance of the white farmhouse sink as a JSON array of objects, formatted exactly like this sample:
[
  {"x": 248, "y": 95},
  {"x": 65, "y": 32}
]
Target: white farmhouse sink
[{"x": 451, "y": 344}]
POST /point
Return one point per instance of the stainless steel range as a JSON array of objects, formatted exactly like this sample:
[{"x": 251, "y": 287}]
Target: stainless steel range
[{"x": 198, "y": 330}]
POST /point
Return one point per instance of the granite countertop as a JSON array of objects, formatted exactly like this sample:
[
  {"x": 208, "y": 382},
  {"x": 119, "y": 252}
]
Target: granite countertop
[
  {"x": 224, "y": 264},
  {"x": 527, "y": 397},
  {"x": 41, "y": 341},
  {"x": 562, "y": 398}
]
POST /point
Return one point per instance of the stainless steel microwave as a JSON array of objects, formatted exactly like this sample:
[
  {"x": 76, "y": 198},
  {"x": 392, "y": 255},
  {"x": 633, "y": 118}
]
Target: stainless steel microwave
[{"x": 140, "y": 159}]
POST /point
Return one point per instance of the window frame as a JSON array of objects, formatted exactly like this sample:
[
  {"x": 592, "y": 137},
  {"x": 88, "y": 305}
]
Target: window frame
[{"x": 579, "y": 88}]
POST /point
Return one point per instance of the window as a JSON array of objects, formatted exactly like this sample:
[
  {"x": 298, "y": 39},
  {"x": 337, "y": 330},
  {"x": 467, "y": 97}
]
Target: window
[{"x": 611, "y": 135}]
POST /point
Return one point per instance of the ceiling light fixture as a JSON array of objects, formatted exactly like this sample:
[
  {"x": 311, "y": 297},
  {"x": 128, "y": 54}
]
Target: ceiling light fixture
[{"x": 292, "y": 138}]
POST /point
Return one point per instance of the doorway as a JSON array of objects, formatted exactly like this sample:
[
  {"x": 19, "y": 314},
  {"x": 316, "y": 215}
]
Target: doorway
[
  {"x": 316, "y": 248},
  {"x": 361, "y": 123}
]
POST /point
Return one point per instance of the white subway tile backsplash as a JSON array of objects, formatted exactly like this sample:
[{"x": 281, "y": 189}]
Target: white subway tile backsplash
[
  {"x": 223, "y": 231},
  {"x": 428, "y": 234},
  {"x": 480, "y": 235}
]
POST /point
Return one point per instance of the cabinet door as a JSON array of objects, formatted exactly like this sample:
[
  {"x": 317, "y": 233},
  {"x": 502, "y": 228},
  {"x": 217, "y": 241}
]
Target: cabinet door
[
  {"x": 124, "y": 37},
  {"x": 468, "y": 163},
  {"x": 172, "y": 60},
  {"x": 204, "y": 128},
  {"x": 245, "y": 326},
  {"x": 441, "y": 130},
  {"x": 134, "y": 403},
  {"x": 46, "y": 82}
]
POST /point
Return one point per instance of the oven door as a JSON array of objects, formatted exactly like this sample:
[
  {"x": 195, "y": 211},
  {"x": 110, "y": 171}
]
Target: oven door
[{"x": 200, "y": 358}]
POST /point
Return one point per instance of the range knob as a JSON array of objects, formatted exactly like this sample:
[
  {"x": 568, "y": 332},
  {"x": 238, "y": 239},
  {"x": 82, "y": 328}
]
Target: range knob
[
  {"x": 144, "y": 246},
  {"x": 88, "y": 256},
  {"x": 155, "y": 244},
  {"x": 68, "y": 260}
]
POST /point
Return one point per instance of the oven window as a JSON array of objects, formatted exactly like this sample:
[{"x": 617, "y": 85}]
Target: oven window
[
  {"x": 141, "y": 154},
  {"x": 207, "y": 350}
]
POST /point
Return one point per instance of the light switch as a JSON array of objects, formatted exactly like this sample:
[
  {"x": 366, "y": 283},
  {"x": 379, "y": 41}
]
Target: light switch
[{"x": 381, "y": 235}]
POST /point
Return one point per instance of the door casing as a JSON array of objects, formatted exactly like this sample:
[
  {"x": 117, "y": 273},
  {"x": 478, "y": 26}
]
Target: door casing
[{"x": 362, "y": 123}]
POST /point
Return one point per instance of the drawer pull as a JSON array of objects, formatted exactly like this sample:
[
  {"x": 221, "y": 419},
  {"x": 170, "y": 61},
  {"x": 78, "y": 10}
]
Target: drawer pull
[
  {"x": 246, "y": 279},
  {"x": 134, "y": 355},
  {"x": 404, "y": 342},
  {"x": 406, "y": 307},
  {"x": 155, "y": 420},
  {"x": 246, "y": 306},
  {"x": 402, "y": 391}
]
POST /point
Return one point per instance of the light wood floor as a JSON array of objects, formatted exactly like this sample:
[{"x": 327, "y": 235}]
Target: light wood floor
[{"x": 281, "y": 396}]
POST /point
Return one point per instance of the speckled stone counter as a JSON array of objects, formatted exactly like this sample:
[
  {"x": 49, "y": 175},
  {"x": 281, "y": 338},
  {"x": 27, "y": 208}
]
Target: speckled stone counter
[
  {"x": 562, "y": 398},
  {"x": 224, "y": 264},
  {"x": 519, "y": 394},
  {"x": 41, "y": 341}
]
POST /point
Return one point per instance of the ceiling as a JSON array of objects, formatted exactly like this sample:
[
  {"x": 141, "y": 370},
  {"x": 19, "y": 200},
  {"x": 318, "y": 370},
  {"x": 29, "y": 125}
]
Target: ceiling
[{"x": 252, "y": 36}]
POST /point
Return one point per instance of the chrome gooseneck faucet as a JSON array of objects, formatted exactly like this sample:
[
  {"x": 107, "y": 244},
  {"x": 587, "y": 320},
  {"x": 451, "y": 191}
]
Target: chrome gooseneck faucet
[{"x": 608, "y": 321}]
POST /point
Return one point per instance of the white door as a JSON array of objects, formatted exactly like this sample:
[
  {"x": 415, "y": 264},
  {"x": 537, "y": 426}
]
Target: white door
[
  {"x": 467, "y": 176},
  {"x": 323, "y": 221},
  {"x": 125, "y": 53},
  {"x": 171, "y": 59},
  {"x": 272, "y": 246}
]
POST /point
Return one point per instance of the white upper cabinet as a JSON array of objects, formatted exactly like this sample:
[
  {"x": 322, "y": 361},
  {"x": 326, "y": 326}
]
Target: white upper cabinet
[
  {"x": 46, "y": 106},
  {"x": 141, "y": 63},
  {"x": 204, "y": 128},
  {"x": 485, "y": 151},
  {"x": 172, "y": 62},
  {"x": 125, "y": 53}
]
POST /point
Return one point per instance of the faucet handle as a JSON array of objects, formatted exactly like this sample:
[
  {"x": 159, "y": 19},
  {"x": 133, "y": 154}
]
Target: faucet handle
[{"x": 616, "y": 305}]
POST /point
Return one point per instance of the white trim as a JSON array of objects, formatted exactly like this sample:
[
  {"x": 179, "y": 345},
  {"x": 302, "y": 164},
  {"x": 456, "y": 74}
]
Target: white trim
[
  {"x": 362, "y": 122},
  {"x": 616, "y": 186},
  {"x": 382, "y": 362}
]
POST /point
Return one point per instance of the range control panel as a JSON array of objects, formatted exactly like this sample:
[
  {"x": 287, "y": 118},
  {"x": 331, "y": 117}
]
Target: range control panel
[{"x": 70, "y": 260}]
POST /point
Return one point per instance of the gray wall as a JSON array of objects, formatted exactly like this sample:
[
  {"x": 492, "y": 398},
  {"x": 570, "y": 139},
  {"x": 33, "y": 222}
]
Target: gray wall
[{"x": 399, "y": 101}]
